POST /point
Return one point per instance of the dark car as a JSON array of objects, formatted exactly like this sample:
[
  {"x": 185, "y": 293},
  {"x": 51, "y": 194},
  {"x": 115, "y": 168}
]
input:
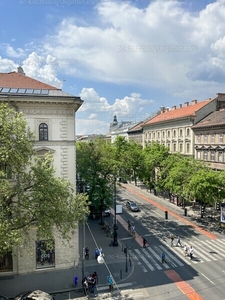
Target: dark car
[
  {"x": 132, "y": 206},
  {"x": 34, "y": 295}
]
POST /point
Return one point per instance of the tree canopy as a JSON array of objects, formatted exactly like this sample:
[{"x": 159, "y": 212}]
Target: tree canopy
[{"x": 30, "y": 193}]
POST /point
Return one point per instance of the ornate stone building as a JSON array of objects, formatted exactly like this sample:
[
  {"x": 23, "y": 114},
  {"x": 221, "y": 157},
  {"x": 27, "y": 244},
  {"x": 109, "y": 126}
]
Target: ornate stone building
[{"x": 50, "y": 114}]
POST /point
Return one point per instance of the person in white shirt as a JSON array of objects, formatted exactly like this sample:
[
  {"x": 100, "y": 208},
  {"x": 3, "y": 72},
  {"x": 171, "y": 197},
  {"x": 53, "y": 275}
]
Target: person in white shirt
[{"x": 191, "y": 252}]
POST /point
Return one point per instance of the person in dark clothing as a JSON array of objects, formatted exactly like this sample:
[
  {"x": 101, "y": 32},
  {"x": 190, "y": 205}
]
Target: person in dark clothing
[
  {"x": 163, "y": 258},
  {"x": 144, "y": 242},
  {"x": 96, "y": 253},
  {"x": 95, "y": 276},
  {"x": 87, "y": 253}
]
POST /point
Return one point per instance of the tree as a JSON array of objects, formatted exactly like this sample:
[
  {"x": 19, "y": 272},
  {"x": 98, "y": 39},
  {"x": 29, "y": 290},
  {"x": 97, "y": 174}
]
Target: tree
[{"x": 30, "y": 194}]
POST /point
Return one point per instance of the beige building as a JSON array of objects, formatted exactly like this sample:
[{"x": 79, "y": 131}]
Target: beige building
[
  {"x": 50, "y": 114},
  {"x": 210, "y": 136},
  {"x": 135, "y": 133},
  {"x": 173, "y": 127}
]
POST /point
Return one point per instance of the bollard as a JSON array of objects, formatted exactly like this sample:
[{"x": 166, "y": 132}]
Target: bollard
[
  {"x": 75, "y": 281},
  {"x": 185, "y": 212},
  {"x": 166, "y": 214}
]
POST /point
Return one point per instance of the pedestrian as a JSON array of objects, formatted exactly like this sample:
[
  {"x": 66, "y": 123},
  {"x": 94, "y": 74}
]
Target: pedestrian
[
  {"x": 133, "y": 230},
  {"x": 92, "y": 285},
  {"x": 164, "y": 258},
  {"x": 191, "y": 252},
  {"x": 96, "y": 253},
  {"x": 144, "y": 242},
  {"x": 110, "y": 282},
  {"x": 87, "y": 253},
  {"x": 100, "y": 250},
  {"x": 171, "y": 240},
  {"x": 85, "y": 285},
  {"x": 95, "y": 276},
  {"x": 178, "y": 241},
  {"x": 129, "y": 225},
  {"x": 185, "y": 250}
]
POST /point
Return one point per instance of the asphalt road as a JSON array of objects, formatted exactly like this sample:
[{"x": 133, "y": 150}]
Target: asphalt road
[{"x": 180, "y": 278}]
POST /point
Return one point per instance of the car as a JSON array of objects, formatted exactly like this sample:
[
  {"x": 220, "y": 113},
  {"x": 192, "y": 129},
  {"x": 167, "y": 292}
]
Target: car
[
  {"x": 107, "y": 212},
  {"x": 34, "y": 295},
  {"x": 131, "y": 205}
]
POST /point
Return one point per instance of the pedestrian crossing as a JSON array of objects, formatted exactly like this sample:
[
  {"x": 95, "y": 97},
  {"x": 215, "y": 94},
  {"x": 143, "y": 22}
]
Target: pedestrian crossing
[{"x": 149, "y": 258}]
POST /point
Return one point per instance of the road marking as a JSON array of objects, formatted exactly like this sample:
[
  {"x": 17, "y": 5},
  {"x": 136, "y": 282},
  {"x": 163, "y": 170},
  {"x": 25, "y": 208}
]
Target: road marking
[
  {"x": 208, "y": 279},
  {"x": 171, "y": 256},
  {"x": 120, "y": 285},
  {"x": 139, "y": 263},
  {"x": 152, "y": 259},
  {"x": 144, "y": 259},
  {"x": 185, "y": 288},
  {"x": 202, "y": 252}
]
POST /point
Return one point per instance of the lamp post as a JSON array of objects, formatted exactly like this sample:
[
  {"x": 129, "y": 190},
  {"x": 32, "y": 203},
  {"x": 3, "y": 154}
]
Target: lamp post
[{"x": 115, "y": 227}]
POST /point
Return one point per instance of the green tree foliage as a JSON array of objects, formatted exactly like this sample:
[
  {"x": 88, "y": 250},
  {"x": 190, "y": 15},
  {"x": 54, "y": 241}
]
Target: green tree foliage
[{"x": 30, "y": 194}]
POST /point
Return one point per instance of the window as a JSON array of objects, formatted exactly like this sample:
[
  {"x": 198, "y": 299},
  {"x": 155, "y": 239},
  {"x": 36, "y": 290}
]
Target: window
[
  {"x": 174, "y": 133},
  {"x": 45, "y": 254},
  {"x": 174, "y": 148},
  {"x": 181, "y": 132},
  {"x": 198, "y": 154},
  {"x": 188, "y": 132},
  {"x": 213, "y": 138},
  {"x": 199, "y": 138},
  {"x": 6, "y": 262},
  {"x": 188, "y": 148},
  {"x": 220, "y": 156},
  {"x": 43, "y": 132},
  {"x": 168, "y": 134},
  {"x": 150, "y": 135},
  {"x": 221, "y": 138},
  {"x": 205, "y": 155},
  {"x": 163, "y": 134},
  {"x": 158, "y": 134},
  {"x": 154, "y": 135},
  {"x": 168, "y": 146},
  {"x": 181, "y": 148},
  {"x": 205, "y": 139},
  {"x": 212, "y": 155}
]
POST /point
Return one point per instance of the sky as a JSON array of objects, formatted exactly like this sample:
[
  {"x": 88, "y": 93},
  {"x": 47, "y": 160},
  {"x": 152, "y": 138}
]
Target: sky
[{"x": 124, "y": 58}]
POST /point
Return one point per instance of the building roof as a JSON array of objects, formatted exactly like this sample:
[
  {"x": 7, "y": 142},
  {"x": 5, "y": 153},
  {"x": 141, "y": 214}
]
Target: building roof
[
  {"x": 188, "y": 110},
  {"x": 216, "y": 118},
  {"x": 137, "y": 127},
  {"x": 21, "y": 81}
]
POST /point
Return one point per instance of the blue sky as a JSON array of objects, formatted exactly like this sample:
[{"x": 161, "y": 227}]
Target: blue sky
[{"x": 121, "y": 57}]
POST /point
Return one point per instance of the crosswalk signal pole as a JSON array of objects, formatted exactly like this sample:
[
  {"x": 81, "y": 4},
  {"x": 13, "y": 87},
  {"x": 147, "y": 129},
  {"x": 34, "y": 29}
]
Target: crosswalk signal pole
[{"x": 166, "y": 215}]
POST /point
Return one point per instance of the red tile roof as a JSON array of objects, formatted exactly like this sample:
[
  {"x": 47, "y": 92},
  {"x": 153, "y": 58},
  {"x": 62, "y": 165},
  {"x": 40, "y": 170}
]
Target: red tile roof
[
  {"x": 18, "y": 80},
  {"x": 176, "y": 113}
]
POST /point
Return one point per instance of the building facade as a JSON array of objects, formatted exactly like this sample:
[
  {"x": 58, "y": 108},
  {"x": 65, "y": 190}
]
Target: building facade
[
  {"x": 50, "y": 114},
  {"x": 173, "y": 127},
  {"x": 210, "y": 136}
]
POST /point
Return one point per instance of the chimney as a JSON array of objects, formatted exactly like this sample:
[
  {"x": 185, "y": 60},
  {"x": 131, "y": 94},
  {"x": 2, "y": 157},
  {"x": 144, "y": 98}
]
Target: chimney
[
  {"x": 20, "y": 70},
  {"x": 194, "y": 101},
  {"x": 167, "y": 109},
  {"x": 180, "y": 105},
  {"x": 174, "y": 107},
  {"x": 186, "y": 104}
]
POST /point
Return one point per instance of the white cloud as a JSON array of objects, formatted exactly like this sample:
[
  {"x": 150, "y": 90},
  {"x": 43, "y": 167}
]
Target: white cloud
[
  {"x": 15, "y": 53},
  {"x": 129, "y": 107},
  {"x": 85, "y": 126},
  {"x": 7, "y": 65}
]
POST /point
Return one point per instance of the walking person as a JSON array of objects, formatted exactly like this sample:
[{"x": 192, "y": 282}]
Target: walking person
[
  {"x": 95, "y": 276},
  {"x": 185, "y": 250},
  {"x": 164, "y": 258},
  {"x": 191, "y": 252},
  {"x": 110, "y": 282},
  {"x": 85, "y": 286},
  {"x": 144, "y": 242},
  {"x": 171, "y": 240},
  {"x": 129, "y": 225},
  {"x": 178, "y": 241},
  {"x": 133, "y": 230},
  {"x": 96, "y": 253},
  {"x": 87, "y": 253}
]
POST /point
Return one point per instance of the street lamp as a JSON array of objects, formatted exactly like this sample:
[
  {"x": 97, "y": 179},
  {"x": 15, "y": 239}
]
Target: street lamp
[{"x": 115, "y": 227}]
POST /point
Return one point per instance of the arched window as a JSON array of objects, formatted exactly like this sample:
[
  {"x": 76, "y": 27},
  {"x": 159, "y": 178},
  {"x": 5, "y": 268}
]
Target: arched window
[
  {"x": 43, "y": 132},
  {"x": 188, "y": 132},
  {"x": 174, "y": 133},
  {"x": 181, "y": 132}
]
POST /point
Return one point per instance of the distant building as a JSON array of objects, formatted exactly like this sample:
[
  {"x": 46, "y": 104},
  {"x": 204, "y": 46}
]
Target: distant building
[{"x": 135, "y": 133}]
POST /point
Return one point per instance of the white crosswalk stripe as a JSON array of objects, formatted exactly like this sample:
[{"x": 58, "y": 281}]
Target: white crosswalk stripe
[{"x": 204, "y": 251}]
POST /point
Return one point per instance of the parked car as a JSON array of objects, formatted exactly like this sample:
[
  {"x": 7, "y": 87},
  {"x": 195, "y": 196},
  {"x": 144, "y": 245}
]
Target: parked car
[
  {"x": 34, "y": 295},
  {"x": 107, "y": 212},
  {"x": 132, "y": 206}
]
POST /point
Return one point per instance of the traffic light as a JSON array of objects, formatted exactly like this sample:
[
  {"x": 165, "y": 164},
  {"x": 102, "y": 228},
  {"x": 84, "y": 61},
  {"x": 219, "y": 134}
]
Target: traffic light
[
  {"x": 217, "y": 206},
  {"x": 202, "y": 211}
]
